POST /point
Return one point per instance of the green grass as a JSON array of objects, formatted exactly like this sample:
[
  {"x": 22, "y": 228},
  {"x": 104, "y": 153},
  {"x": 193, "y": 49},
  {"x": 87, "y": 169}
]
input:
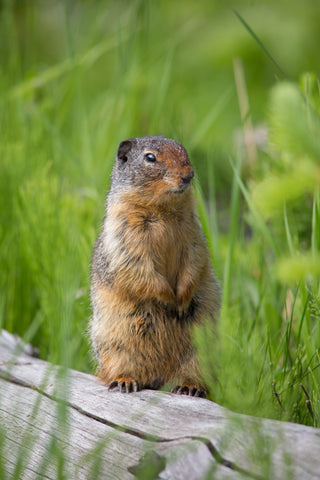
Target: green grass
[{"x": 76, "y": 79}]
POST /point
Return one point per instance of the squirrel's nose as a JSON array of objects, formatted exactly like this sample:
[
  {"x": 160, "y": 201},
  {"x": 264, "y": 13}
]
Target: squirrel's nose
[{"x": 187, "y": 177}]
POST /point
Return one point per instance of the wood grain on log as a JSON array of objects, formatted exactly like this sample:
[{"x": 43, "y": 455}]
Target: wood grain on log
[{"x": 63, "y": 420}]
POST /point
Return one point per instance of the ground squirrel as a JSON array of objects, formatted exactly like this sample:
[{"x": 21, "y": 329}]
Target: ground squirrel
[{"x": 151, "y": 277}]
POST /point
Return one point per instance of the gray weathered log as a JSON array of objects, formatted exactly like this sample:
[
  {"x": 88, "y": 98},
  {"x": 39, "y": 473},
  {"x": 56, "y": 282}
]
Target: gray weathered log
[{"x": 45, "y": 410}]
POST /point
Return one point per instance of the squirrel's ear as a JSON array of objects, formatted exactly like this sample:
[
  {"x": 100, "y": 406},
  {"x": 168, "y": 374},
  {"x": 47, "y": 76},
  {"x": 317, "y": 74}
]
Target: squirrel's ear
[{"x": 124, "y": 149}]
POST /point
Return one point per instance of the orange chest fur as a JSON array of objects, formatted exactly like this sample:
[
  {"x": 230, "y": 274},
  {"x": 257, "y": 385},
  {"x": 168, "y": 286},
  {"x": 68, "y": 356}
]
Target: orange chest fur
[
  {"x": 162, "y": 238},
  {"x": 157, "y": 237}
]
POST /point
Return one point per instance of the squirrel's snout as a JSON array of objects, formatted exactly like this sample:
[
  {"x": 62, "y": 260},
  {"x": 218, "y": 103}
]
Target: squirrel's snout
[{"x": 186, "y": 179}]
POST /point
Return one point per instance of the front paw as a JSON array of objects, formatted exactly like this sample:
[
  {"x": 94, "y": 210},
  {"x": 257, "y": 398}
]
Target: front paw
[
  {"x": 124, "y": 385},
  {"x": 182, "y": 311},
  {"x": 167, "y": 295},
  {"x": 185, "y": 291},
  {"x": 190, "y": 390}
]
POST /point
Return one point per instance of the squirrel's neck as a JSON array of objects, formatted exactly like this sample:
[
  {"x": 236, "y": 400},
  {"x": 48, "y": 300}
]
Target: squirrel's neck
[{"x": 168, "y": 204}]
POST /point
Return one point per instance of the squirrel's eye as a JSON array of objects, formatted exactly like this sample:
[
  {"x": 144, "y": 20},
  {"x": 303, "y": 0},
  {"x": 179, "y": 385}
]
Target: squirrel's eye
[{"x": 150, "y": 157}]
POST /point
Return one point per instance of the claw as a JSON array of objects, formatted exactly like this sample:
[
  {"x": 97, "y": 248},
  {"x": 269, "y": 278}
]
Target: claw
[
  {"x": 124, "y": 385},
  {"x": 113, "y": 386},
  {"x": 182, "y": 311},
  {"x": 200, "y": 393},
  {"x": 183, "y": 390},
  {"x": 175, "y": 389},
  {"x": 190, "y": 390}
]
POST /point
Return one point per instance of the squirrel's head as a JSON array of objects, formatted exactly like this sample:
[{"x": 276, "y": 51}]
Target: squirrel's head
[{"x": 155, "y": 166}]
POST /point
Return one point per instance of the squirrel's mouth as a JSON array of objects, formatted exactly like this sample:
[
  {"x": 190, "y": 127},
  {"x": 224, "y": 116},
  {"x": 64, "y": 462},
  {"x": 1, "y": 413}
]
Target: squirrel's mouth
[
  {"x": 180, "y": 189},
  {"x": 178, "y": 185}
]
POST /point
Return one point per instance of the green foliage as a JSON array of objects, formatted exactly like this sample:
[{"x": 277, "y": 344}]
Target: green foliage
[
  {"x": 269, "y": 325},
  {"x": 78, "y": 77}
]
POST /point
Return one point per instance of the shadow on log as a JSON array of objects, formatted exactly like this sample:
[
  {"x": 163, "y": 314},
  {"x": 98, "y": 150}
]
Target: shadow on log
[{"x": 57, "y": 423}]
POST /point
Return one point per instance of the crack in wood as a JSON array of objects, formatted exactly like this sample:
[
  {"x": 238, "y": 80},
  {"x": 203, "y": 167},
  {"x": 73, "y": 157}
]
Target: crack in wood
[
  {"x": 222, "y": 461},
  {"x": 219, "y": 459}
]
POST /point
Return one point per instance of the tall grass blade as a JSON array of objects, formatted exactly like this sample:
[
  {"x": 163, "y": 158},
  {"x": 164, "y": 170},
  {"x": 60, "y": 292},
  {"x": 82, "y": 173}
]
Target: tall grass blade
[{"x": 233, "y": 235}]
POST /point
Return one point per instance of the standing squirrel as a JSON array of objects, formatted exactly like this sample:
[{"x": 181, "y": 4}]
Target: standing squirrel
[{"x": 151, "y": 277}]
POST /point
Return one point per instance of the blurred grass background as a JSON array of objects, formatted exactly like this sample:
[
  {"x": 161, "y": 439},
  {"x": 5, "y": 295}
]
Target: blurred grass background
[{"x": 78, "y": 77}]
